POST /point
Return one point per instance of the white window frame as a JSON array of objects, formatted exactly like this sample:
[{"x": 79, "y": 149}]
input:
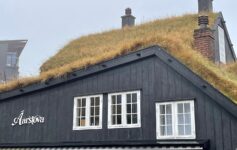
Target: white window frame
[
  {"x": 87, "y": 113},
  {"x": 175, "y": 120},
  {"x": 124, "y": 110},
  {"x": 222, "y": 49}
]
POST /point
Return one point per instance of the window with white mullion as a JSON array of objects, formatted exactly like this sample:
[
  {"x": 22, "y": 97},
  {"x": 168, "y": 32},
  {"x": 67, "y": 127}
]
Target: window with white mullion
[
  {"x": 131, "y": 108},
  {"x": 87, "y": 112},
  {"x": 94, "y": 111},
  {"x": 124, "y": 110},
  {"x": 166, "y": 128},
  {"x": 81, "y": 110},
  {"x": 184, "y": 119},
  {"x": 176, "y": 120},
  {"x": 116, "y": 109}
]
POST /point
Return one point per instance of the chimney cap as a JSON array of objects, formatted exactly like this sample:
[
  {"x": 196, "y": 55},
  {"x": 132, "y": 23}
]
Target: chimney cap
[
  {"x": 203, "y": 21},
  {"x": 128, "y": 11}
]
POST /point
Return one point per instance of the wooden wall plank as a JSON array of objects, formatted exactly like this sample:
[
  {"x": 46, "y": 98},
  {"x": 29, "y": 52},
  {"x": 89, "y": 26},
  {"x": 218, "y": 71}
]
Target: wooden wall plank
[
  {"x": 234, "y": 133},
  {"x": 210, "y": 128},
  {"x": 201, "y": 117},
  {"x": 226, "y": 125},
  {"x": 218, "y": 128}
]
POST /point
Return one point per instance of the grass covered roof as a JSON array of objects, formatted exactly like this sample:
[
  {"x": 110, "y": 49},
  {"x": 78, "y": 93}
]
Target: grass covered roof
[{"x": 175, "y": 34}]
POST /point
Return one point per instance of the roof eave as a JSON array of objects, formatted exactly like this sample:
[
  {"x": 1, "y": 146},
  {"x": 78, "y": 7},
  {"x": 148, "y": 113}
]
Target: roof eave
[{"x": 175, "y": 64}]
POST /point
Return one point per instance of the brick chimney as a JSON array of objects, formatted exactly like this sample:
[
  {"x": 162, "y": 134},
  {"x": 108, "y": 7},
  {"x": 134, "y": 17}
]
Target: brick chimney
[
  {"x": 128, "y": 19},
  {"x": 205, "y": 6},
  {"x": 204, "y": 38}
]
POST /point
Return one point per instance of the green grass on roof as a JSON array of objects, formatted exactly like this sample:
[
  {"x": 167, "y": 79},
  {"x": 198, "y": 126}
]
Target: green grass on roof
[{"x": 175, "y": 34}]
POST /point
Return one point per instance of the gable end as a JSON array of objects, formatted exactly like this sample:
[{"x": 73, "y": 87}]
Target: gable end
[{"x": 230, "y": 55}]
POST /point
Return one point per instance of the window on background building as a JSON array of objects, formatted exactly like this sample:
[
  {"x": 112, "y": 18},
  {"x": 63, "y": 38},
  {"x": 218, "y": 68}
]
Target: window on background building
[
  {"x": 221, "y": 38},
  {"x": 124, "y": 110},
  {"x": 87, "y": 112},
  {"x": 175, "y": 120},
  {"x": 12, "y": 59}
]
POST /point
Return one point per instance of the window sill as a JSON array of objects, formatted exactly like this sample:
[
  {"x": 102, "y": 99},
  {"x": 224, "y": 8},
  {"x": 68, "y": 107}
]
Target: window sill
[
  {"x": 176, "y": 138},
  {"x": 87, "y": 128},
  {"x": 124, "y": 126}
]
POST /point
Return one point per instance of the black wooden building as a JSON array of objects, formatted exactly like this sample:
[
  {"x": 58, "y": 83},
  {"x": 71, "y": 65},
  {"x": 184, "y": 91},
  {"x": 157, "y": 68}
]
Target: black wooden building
[{"x": 144, "y": 99}]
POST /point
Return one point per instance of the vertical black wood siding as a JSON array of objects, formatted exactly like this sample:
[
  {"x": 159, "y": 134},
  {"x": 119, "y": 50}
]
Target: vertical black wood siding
[{"x": 154, "y": 78}]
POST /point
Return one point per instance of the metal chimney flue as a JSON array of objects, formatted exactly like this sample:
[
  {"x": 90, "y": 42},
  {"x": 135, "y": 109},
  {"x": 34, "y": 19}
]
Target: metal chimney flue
[
  {"x": 128, "y": 19},
  {"x": 205, "y": 6}
]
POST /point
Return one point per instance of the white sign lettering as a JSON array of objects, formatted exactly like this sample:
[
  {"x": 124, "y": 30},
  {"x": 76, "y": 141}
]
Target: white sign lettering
[{"x": 21, "y": 120}]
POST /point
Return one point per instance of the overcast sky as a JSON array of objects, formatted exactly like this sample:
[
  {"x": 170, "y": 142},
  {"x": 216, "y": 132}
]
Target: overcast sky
[{"x": 50, "y": 24}]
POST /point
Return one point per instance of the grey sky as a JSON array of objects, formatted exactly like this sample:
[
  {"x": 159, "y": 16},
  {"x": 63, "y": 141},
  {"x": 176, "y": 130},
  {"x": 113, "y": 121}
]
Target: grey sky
[{"x": 50, "y": 24}]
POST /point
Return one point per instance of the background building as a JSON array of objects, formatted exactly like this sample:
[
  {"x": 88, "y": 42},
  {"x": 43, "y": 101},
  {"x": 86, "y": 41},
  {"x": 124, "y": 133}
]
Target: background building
[{"x": 10, "y": 52}]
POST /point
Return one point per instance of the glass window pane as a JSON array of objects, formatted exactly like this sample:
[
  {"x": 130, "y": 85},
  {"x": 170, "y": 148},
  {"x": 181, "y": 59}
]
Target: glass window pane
[
  {"x": 113, "y": 99},
  {"x": 134, "y": 98},
  {"x": 162, "y": 109},
  {"x": 114, "y": 120},
  {"x": 129, "y": 108},
  {"x": 129, "y": 119},
  {"x": 83, "y": 121},
  {"x": 119, "y": 119},
  {"x": 168, "y": 109},
  {"x": 97, "y": 111},
  {"x": 119, "y": 109},
  {"x": 92, "y": 121},
  {"x": 134, "y": 119},
  {"x": 181, "y": 129},
  {"x": 78, "y": 112},
  {"x": 128, "y": 98},
  {"x": 180, "y": 119},
  {"x": 188, "y": 130},
  {"x": 134, "y": 108},
  {"x": 92, "y": 111},
  {"x": 162, "y": 130},
  {"x": 169, "y": 119},
  {"x": 78, "y": 122},
  {"x": 97, "y": 121},
  {"x": 180, "y": 108},
  {"x": 83, "y": 111},
  {"x": 119, "y": 99},
  {"x": 11, "y": 59},
  {"x": 162, "y": 120},
  {"x": 169, "y": 130},
  {"x": 83, "y": 102},
  {"x": 97, "y": 101},
  {"x": 187, "y": 118},
  {"x": 92, "y": 101},
  {"x": 79, "y": 103},
  {"x": 114, "y": 109},
  {"x": 187, "y": 107}
]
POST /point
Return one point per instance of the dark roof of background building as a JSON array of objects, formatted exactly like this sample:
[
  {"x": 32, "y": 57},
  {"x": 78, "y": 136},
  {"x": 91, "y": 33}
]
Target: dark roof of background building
[{"x": 15, "y": 45}]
